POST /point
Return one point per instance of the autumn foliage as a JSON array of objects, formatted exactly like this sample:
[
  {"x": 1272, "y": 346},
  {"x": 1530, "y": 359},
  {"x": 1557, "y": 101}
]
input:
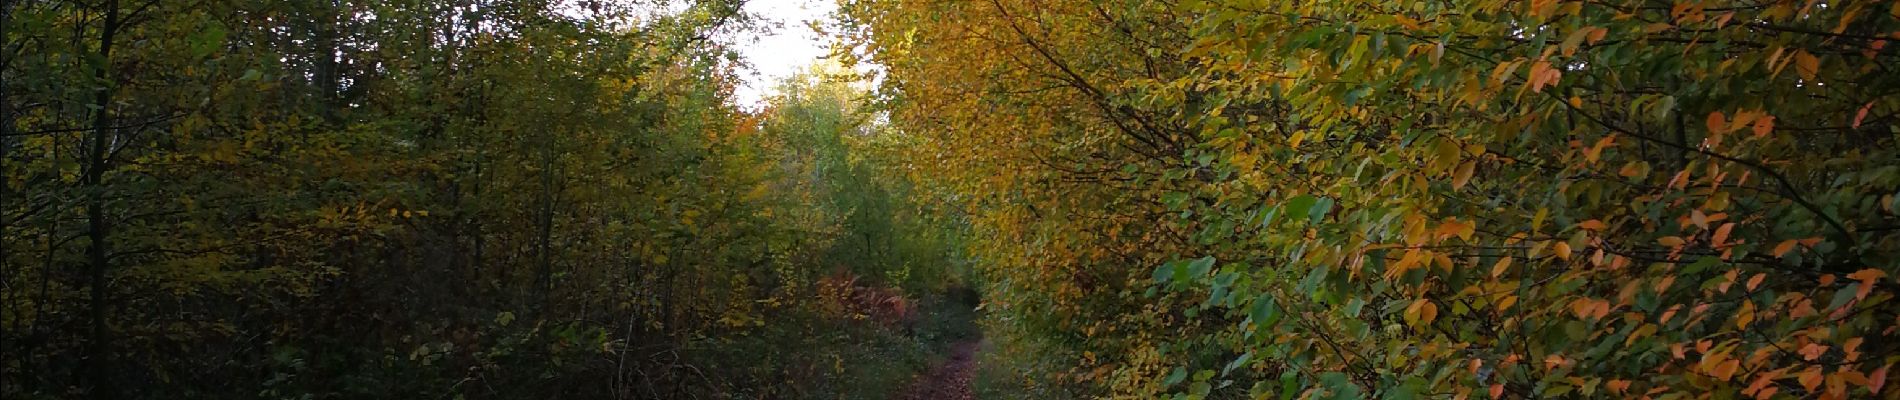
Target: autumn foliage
[
  {"x": 1473, "y": 199},
  {"x": 329, "y": 199}
]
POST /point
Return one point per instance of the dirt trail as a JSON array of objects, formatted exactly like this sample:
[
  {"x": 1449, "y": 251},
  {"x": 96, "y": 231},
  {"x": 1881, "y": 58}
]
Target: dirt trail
[{"x": 949, "y": 380}]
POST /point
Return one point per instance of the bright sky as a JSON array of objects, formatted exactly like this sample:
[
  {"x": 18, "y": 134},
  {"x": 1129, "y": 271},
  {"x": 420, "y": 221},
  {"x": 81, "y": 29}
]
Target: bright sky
[{"x": 787, "y": 49}]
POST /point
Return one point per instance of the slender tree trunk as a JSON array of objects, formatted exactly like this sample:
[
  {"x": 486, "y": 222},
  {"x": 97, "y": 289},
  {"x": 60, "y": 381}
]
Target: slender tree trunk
[
  {"x": 544, "y": 280},
  {"x": 7, "y": 290},
  {"x": 327, "y": 75},
  {"x": 6, "y": 139},
  {"x": 96, "y": 363}
]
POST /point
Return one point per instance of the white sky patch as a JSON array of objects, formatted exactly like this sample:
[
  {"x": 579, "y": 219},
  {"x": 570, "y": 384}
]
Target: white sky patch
[{"x": 787, "y": 49}]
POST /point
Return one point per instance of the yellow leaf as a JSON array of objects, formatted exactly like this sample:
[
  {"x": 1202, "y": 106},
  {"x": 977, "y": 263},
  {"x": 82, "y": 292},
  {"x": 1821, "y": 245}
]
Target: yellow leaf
[
  {"x": 1411, "y": 312},
  {"x": 1504, "y": 264},
  {"x": 1463, "y": 174},
  {"x": 1633, "y": 169},
  {"x": 1453, "y": 227}
]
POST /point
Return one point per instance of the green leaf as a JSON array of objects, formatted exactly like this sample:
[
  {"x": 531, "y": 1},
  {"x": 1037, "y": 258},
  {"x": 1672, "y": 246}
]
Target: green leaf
[
  {"x": 1320, "y": 208},
  {"x": 1841, "y": 297},
  {"x": 1341, "y": 387},
  {"x": 1300, "y": 205},
  {"x": 1201, "y": 266},
  {"x": 1265, "y": 313},
  {"x": 1270, "y": 213},
  {"x": 1166, "y": 271},
  {"x": 1236, "y": 363}
]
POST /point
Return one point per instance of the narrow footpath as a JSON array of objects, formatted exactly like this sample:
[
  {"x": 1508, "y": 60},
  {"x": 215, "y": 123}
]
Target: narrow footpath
[{"x": 949, "y": 380}]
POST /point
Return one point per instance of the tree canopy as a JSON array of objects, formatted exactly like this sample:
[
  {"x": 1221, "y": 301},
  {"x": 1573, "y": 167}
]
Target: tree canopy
[{"x": 1191, "y": 199}]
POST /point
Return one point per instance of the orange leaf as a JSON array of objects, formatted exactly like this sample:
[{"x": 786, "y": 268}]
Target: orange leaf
[
  {"x": 1718, "y": 123},
  {"x": 1784, "y": 247},
  {"x": 1878, "y": 379},
  {"x": 1725, "y": 370},
  {"x": 1809, "y": 378},
  {"x": 1663, "y": 284},
  {"x": 1813, "y": 351},
  {"x": 1618, "y": 386},
  {"x": 1721, "y": 234},
  {"x": 1593, "y": 225},
  {"x": 1562, "y": 249},
  {"x": 1745, "y": 315},
  {"x": 1755, "y": 281},
  {"x": 1867, "y": 276},
  {"x": 1554, "y": 361},
  {"x": 1582, "y": 307},
  {"x": 1862, "y": 114},
  {"x": 1415, "y": 313},
  {"x": 1764, "y": 125},
  {"x": 1670, "y": 241},
  {"x": 1671, "y": 312}
]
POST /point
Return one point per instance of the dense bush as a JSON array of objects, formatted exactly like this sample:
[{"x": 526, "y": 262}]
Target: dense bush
[{"x": 1343, "y": 199}]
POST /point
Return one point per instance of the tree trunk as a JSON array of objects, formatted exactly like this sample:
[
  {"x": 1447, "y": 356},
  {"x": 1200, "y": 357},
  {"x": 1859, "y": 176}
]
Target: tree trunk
[
  {"x": 544, "y": 280},
  {"x": 97, "y": 350}
]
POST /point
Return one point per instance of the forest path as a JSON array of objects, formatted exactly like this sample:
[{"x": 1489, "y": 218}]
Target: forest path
[{"x": 949, "y": 380}]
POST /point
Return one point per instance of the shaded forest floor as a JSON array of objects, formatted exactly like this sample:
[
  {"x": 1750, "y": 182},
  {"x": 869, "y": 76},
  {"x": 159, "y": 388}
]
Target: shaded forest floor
[{"x": 949, "y": 379}]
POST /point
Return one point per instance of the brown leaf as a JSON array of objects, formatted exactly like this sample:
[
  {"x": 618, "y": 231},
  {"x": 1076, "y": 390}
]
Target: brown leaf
[{"x": 1806, "y": 64}]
